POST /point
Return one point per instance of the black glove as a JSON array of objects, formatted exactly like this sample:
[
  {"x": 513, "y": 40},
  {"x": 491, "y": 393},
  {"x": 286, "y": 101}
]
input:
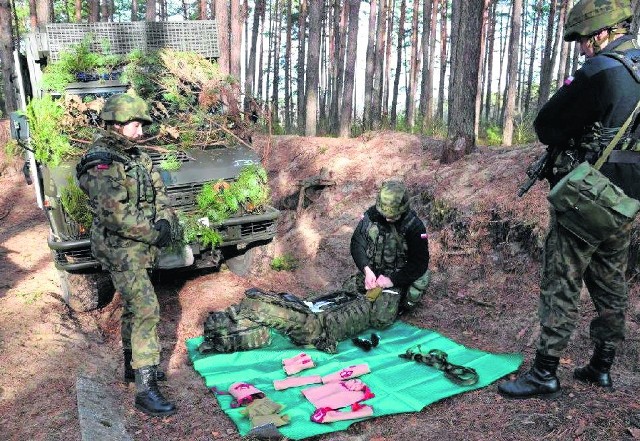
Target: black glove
[{"x": 164, "y": 228}]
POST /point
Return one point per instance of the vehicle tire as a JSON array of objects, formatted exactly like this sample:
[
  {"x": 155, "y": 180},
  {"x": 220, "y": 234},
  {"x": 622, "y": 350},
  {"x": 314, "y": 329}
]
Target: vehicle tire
[
  {"x": 240, "y": 263},
  {"x": 86, "y": 291}
]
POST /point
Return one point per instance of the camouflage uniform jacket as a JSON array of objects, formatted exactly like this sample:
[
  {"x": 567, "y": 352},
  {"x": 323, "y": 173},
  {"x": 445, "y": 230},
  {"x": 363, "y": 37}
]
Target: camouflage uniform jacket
[
  {"x": 398, "y": 250},
  {"x": 127, "y": 196},
  {"x": 602, "y": 91}
]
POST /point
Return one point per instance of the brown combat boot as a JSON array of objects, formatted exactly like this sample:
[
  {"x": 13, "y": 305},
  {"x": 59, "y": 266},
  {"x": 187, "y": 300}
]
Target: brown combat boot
[{"x": 539, "y": 382}]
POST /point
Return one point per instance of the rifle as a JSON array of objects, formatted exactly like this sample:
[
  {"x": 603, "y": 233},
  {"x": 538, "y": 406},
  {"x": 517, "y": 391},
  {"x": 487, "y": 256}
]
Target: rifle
[{"x": 538, "y": 170}]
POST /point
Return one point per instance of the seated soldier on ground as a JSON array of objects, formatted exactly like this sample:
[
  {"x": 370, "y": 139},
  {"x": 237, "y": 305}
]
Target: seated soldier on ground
[{"x": 390, "y": 248}]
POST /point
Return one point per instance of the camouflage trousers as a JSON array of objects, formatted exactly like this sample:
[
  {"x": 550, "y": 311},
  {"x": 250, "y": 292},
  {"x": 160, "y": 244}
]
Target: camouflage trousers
[
  {"x": 140, "y": 316},
  {"x": 568, "y": 261}
]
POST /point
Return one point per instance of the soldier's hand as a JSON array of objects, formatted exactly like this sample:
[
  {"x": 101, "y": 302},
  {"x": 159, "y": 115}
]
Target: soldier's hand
[{"x": 164, "y": 233}]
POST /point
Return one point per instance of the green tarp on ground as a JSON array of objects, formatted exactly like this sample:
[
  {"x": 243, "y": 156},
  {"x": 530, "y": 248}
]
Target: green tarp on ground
[{"x": 399, "y": 385}]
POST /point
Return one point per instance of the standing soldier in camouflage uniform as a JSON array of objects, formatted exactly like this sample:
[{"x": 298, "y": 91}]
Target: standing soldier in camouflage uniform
[
  {"x": 132, "y": 219},
  {"x": 580, "y": 119},
  {"x": 390, "y": 248}
]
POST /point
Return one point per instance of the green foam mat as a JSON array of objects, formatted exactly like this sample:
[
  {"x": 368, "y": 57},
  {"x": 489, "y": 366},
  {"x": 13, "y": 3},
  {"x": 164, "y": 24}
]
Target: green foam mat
[{"x": 399, "y": 385}]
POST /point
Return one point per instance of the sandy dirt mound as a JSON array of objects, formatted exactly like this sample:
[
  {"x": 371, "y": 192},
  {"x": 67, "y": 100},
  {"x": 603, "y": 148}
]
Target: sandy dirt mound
[{"x": 485, "y": 246}]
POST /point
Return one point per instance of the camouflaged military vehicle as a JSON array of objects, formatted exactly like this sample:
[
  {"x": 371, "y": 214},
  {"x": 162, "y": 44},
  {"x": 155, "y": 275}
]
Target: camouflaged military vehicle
[{"x": 84, "y": 285}]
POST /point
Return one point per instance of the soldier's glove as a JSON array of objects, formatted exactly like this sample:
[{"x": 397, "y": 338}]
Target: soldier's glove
[
  {"x": 373, "y": 293},
  {"x": 164, "y": 237}
]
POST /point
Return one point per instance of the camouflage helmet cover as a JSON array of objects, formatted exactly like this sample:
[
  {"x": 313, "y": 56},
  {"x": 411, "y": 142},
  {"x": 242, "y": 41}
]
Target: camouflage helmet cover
[
  {"x": 122, "y": 108},
  {"x": 393, "y": 199},
  {"x": 589, "y": 16}
]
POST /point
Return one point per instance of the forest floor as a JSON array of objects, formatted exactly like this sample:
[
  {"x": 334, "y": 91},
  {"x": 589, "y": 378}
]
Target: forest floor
[{"x": 485, "y": 246}]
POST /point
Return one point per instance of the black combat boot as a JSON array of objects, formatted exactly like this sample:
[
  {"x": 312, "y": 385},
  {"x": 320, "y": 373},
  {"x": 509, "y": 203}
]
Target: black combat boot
[
  {"x": 597, "y": 371},
  {"x": 149, "y": 399},
  {"x": 539, "y": 382},
  {"x": 129, "y": 373}
]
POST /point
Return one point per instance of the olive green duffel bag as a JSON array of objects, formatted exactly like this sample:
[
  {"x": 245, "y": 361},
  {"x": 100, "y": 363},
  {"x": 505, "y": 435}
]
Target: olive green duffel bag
[{"x": 590, "y": 205}]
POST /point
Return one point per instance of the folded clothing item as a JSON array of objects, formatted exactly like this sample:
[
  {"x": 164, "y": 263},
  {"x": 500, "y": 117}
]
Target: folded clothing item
[
  {"x": 296, "y": 381},
  {"x": 296, "y": 359},
  {"x": 264, "y": 411},
  {"x": 338, "y": 394},
  {"x": 294, "y": 368},
  {"x": 328, "y": 415},
  {"x": 244, "y": 393},
  {"x": 347, "y": 373}
]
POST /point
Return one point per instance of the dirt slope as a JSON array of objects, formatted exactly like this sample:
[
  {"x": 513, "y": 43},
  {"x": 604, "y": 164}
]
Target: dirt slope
[{"x": 484, "y": 243}]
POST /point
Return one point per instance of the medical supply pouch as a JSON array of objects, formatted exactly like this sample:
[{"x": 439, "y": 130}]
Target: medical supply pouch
[{"x": 590, "y": 205}]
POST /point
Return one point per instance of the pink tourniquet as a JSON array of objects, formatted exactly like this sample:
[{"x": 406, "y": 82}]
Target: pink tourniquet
[
  {"x": 296, "y": 381},
  {"x": 347, "y": 373},
  {"x": 328, "y": 415},
  {"x": 339, "y": 394}
]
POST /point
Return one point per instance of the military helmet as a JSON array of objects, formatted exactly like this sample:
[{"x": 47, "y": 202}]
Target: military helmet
[
  {"x": 589, "y": 16},
  {"x": 122, "y": 108},
  {"x": 393, "y": 199}
]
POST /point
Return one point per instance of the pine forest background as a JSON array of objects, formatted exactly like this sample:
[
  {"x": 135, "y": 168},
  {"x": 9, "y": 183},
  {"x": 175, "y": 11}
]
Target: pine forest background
[{"x": 466, "y": 71}]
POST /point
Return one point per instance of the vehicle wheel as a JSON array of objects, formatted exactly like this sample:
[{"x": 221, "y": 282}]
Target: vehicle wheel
[
  {"x": 86, "y": 291},
  {"x": 240, "y": 264}
]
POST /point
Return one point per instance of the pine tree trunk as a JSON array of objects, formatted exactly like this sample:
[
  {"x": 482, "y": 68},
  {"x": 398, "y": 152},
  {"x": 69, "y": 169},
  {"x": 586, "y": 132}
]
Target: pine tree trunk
[
  {"x": 372, "y": 53},
  {"x": 443, "y": 57},
  {"x": 512, "y": 69},
  {"x": 224, "y": 33},
  {"x": 313, "y": 64},
  {"x": 275, "y": 96},
  {"x": 412, "y": 88},
  {"x": 481, "y": 73},
  {"x": 532, "y": 58},
  {"x": 564, "y": 46},
  {"x": 349, "y": 73},
  {"x": 249, "y": 86},
  {"x": 150, "y": 15},
  {"x": 287, "y": 71},
  {"x": 378, "y": 76},
  {"x": 396, "y": 81},
  {"x": 386, "y": 72},
  {"x": 462, "y": 98},
  {"x": 427, "y": 63},
  {"x": 547, "y": 61},
  {"x": 235, "y": 39},
  {"x": 491, "y": 33},
  {"x": 301, "y": 79}
]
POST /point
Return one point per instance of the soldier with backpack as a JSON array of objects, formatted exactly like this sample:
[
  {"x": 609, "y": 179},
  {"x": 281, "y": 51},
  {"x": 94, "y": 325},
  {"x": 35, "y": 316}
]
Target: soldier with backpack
[
  {"x": 132, "y": 220},
  {"x": 390, "y": 248}
]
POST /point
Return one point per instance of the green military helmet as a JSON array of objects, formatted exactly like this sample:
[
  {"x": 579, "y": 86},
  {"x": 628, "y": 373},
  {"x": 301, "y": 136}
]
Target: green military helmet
[
  {"x": 122, "y": 108},
  {"x": 393, "y": 200},
  {"x": 589, "y": 16}
]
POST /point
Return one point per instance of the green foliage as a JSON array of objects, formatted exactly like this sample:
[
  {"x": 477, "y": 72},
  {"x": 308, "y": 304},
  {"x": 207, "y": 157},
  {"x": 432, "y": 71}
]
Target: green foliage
[
  {"x": 524, "y": 132},
  {"x": 218, "y": 201},
  {"x": 494, "y": 135},
  {"x": 170, "y": 162},
  {"x": 436, "y": 128},
  {"x": 286, "y": 262},
  {"x": 12, "y": 150},
  {"x": 76, "y": 203},
  {"x": 79, "y": 58},
  {"x": 50, "y": 145}
]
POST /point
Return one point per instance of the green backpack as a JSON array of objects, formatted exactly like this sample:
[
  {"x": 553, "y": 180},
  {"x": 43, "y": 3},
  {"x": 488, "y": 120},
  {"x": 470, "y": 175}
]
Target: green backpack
[{"x": 225, "y": 331}]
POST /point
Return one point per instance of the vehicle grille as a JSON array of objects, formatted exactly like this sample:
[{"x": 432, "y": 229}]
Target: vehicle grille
[
  {"x": 73, "y": 256},
  {"x": 157, "y": 157},
  {"x": 184, "y": 197}
]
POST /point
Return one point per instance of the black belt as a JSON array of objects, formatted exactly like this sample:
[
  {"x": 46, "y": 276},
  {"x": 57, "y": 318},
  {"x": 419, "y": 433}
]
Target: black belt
[{"x": 624, "y": 156}]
